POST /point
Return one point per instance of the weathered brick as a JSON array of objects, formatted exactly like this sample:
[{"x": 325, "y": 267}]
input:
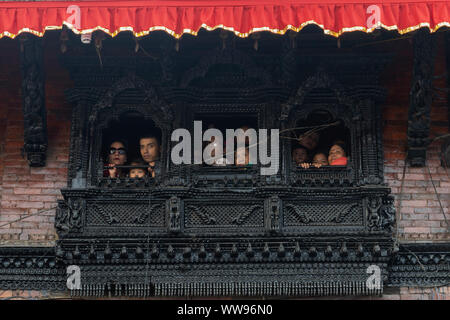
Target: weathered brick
[
  {"x": 12, "y": 197},
  {"x": 424, "y": 196},
  {"x": 422, "y": 183},
  {"x": 418, "y": 216},
  {"x": 43, "y": 198},
  {"x": 423, "y": 210},
  {"x": 405, "y": 209},
  {"x": 50, "y": 192},
  {"x": 409, "y": 176},
  {"x": 438, "y": 216},
  {"x": 443, "y": 190},
  {"x": 23, "y": 225},
  {"x": 41, "y": 184},
  {"x": 9, "y": 230},
  {"x": 30, "y": 204},
  {"x": 417, "y": 230},
  {"x": 440, "y": 230},
  {"x": 414, "y": 203},
  {"x": 27, "y": 191}
]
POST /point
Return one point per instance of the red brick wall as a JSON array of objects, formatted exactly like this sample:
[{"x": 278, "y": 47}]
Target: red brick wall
[
  {"x": 25, "y": 190},
  {"x": 420, "y": 216}
]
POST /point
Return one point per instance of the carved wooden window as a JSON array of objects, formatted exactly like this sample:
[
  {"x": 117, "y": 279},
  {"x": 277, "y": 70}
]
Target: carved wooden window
[
  {"x": 223, "y": 117},
  {"x": 122, "y": 123},
  {"x": 330, "y": 128},
  {"x": 327, "y": 128},
  {"x": 128, "y": 125}
]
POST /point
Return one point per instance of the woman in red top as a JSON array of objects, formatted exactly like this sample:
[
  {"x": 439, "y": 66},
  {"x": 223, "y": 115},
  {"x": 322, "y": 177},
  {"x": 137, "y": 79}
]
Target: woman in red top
[{"x": 337, "y": 156}]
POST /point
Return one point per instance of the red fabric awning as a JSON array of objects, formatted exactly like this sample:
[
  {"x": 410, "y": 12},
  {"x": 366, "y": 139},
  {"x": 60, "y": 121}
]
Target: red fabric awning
[{"x": 242, "y": 17}]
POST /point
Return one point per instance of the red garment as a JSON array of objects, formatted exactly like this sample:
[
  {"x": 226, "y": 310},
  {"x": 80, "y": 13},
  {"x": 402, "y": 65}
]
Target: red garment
[
  {"x": 342, "y": 161},
  {"x": 242, "y": 17}
]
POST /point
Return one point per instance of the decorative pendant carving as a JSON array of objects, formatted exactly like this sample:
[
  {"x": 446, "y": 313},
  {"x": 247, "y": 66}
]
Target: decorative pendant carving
[
  {"x": 272, "y": 212},
  {"x": 33, "y": 100},
  {"x": 420, "y": 97},
  {"x": 173, "y": 214}
]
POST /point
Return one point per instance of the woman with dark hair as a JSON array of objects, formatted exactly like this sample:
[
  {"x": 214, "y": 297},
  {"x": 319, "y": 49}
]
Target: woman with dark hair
[
  {"x": 337, "y": 155},
  {"x": 117, "y": 155}
]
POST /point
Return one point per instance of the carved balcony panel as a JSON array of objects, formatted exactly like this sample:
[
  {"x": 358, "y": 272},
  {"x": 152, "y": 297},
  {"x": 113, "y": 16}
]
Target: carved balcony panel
[{"x": 224, "y": 216}]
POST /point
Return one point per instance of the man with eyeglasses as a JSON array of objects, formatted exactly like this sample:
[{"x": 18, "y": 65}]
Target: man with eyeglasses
[{"x": 117, "y": 155}]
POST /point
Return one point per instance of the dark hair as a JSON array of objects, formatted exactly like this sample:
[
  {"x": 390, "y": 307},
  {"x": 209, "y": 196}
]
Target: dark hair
[
  {"x": 321, "y": 150},
  {"x": 341, "y": 144},
  {"x": 138, "y": 163},
  {"x": 122, "y": 141},
  {"x": 149, "y": 135},
  {"x": 299, "y": 146}
]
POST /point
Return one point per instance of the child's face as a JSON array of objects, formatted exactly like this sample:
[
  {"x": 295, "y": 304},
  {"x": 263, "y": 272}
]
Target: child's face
[
  {"x": 300, "y": 155},
  {"x": 336, "y": 152},
  {"x": 137, "y": 173},
  {"x": 320, "y": 159}
]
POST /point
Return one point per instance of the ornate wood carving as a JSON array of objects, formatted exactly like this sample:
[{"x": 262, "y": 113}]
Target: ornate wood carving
[
  {"x": 252, "y": 75},
  {"x": 31, "y": 268},
  {"x": 201, "y": 231},
  {"x": 425, "y": 265},
  {"x": 33, "y": 100},
  {"x": 420, "y": 97},
  {"x": 132, "y": 82},
  {"x": 194, "y": 224},
  {"x": 70, "y": 218},
  {"x": 38, "y": 268}
]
